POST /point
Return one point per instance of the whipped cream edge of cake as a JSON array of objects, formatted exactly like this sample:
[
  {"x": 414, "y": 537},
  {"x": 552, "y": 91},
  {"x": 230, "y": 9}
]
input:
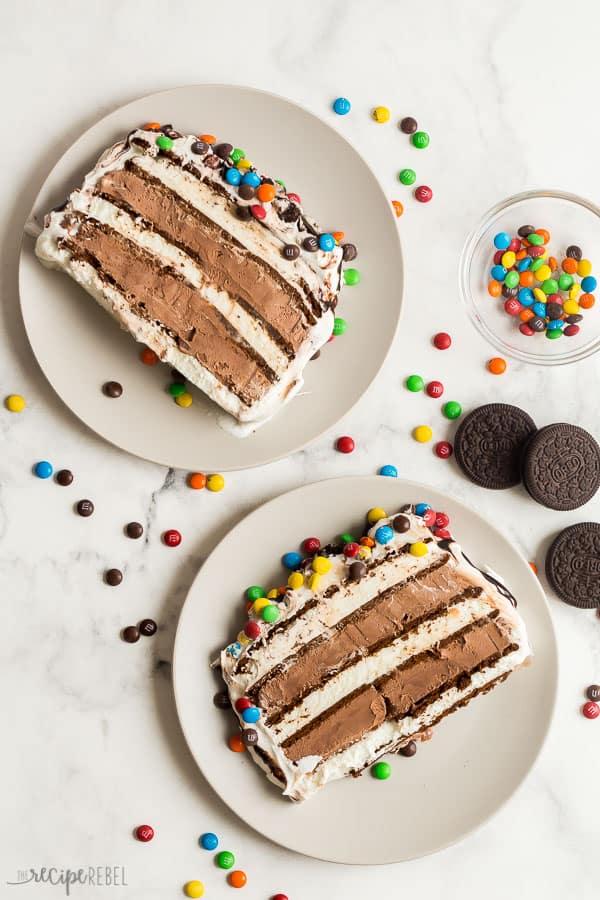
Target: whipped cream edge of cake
[
  {"x": 319, "y": 272},
  {"x": 304, "y": 776}
]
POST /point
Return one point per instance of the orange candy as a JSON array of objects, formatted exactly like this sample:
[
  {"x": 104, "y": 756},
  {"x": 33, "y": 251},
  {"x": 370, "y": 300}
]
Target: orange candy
[
  {"x": 197, "y": 480},
  {"x": 526, "y": 314},
  {"x": 237, "y": 879},
  {"x": 497, "y": 365},
  {"x": 526, "y": 279},
  {"x": 586, "y": 300},
  {"x": 521, "y": 254},
  {"x": 398, "y": 208},
  {"x": 148, "y": 357},
  {"x": 534, "y": 568},
  {"x": 207, "y": 138},
  {"x": 569, "y": 265},
  {"x": 236, "y": 743},
  {"x": 367, "y": 542},
  {"x": 265, "y": 193},
  {"x": 151, "y": 126},
  {"x": 545, "y": 235},
  {"x": 282, "y": 589},
  {"x": 338, "y": 236},
  {"x": 494, "y": 288},
  {"x": 553, "y": 263}
]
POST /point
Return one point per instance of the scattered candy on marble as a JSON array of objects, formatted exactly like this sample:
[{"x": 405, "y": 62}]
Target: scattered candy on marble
[
  {"x": 134, "y": 530},
  {"x": 389, "y": 471},
  {"x": 131, "y": 634},
  {"x": 345, "y": 444},
  {"x": 420, "y": 140},
  {"x": 215, "y": 483},
  {"x": 351, "y": 277},
  {"x": 147, "y": 627},
  {"x": 381, "y": 771},
  {"x": 496, "y": 365},
  {"x": 172, "y": 538},
  {"x": 342, "y": 106},
  {"x": 15, "y": 403},
  {"x": 84, "y": 508},
  {"x": 435, "y": 389},
  {"x": 225, "y": 859},
  {"x": 408, "y": 125},
  {"x": 381, "y": 114},
  {"x": 113, "y": 577},
  {"x": 443, "y": 449},
  {"x": 209, "y": 841},
  {"x": 148, "y": 357},
  {"x": 415, "y": 383},
  {"x": 398, "y": 208},
  {"x": 197, "y": 480},
  {"x": 591, "y": 710},
  {"x": 184, "y": 400},
  {"x": 193, "y": 889},
  {"x": 237, "y": 879},
  {"x": 236, "y": 743},
  {"x": 422, "y": 434},
  {"x": 423, "y": 193},
  {"x": 144, "y": 833},
  {"x": 43, "y": 469},
  {"x": 64, "y": 477},
  {"x": 442, "y": 340},
  {"x": 407, "y": 176}
]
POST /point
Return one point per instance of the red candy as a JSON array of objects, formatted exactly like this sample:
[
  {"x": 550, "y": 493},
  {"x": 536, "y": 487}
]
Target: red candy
[
  {"x": 311, "y": 545},
  {"x": 279, "y": 897},
  {"x": 144, "y": 833},
  {"x": 429, "y": 517},
  {"x": 442, "y": 340},
  {"x": 252, "y": 630},
  {"x": 423, "y": 194},
  {"x": 591, "y": 710},
  {"x": 443, "y": 534},
  {"x": 242, "y": 704},
  {"x": 295, "y": 198},
  {"x": 512, "y": 306},
  {"x": 172, "y": 538},
  {"x": 345, "y": 444},
  {"x": 351, "y": 549},
  {"x": 442, "y": 520},
  {"x": 498, "y": 257},
  {"x": 571, "y": 330},
  {"x": 443, "y": 449},
  {"x": 515, "y": 245},
  {"x": 524, "y": 328},
  {"x": 259, "y": 212},
  {"x": 435, "y": 389},
  {"x": 534, "y": 252}
]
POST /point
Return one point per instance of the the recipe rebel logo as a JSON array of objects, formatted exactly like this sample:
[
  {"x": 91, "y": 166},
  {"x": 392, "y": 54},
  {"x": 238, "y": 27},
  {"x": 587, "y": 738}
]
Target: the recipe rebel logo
[{"x": 68, "y": 879}]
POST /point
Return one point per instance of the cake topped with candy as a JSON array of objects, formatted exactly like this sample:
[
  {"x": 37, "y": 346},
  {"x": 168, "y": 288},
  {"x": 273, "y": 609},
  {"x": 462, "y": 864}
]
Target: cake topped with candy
[
  {"x": 212, "y": 265},
  {"x": 370, "y": 644}
]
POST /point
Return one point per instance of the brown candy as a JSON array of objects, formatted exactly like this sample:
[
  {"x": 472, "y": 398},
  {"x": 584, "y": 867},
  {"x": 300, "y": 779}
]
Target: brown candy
[
  {"x": 112, "y": 389},
  {"x": 574, "y": 252},
  {"x": 246, "y": 191},
  {"x": 408, "y": 125},
  {"x": 593, "y": 692},
  {"x": 409, "y": 749},
  {"x": 357, "y": 570},
  {"x": 349, "y": 252},
  {"x": 134, "y": 530},
  {"x": 221, "y": 700},
  {"x": 290, "y": 251},
  {"x": 250, "y": 737},
  {"x": 199, "y": 147},
  {"x": 130, "y": 634},
  {"x": 223, "y": 150},
  {"x": 148, "y": 627},
  {"x": 525, "y": 230},
  {"x": 64, "y": 477},
  {"x": 243, "y": 213},
  {"x": 401, "y": 524},
  {"x": 113, "y": 577},
  {"x": 85, "y": 508},
  {"x": 310, "y": 244}
]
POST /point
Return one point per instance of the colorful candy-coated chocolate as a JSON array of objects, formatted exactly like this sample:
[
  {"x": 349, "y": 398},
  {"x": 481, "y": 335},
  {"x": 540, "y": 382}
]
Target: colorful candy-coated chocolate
[
  {"x": 144, "y": 833},
  {"x": 589, "y": 284},
  {"x": 586, "y": 301},
  {"x": 237, "y": 879},
  {"x": 422, "y": 434},
  {"x": 442, "y": 520},
  {"x": 184, "y": 399},
  {"x": 346, "y": 538},
  {"x": 526, "y": 329},
  {"x": 209, "y": 841},
  {"x": 351, "y": 549},
  {"x": 259, "y": 212},
  {"x": 512, "y": 279},
  {"x": 148, "y": 357},
  {"x": 215, "y": 483},
  {"x": 550, "y": 286},
  {"x": 252, "y": 630},
  {"x": 280, "y": 897},
  {"x": 442, "y": 340},
  {"x": 398, "y": 208},
  {"x": 419, "y": 548},
  {"x": 225, "y": 859},
  {"x": 496, "y": 365},
  {"x": 197, "y": 480},
  {"x": 374, "y": 515},
  {"x": 266, "y": 192},
  {"x": 591, "y": 710},
  {"x": 571, "y": 307},
  {"x": 270, "y": 614},
  {"x": 341, "y": 106},
  {"x": 251, "y": 178},
  {"x": 241, "y": 704},
  {"x": 584, "y": 268},
  {"x": 494, "y": 288},
  {"x": 236, "y": 743},
  {"x": 420, "y": 140},
  {"x": 339, "y": 326},
  {"x": 565, "y": 281},
  {"x": 381, "y": 114},
  {"x": 526, "y": 297},
  {"x": 177, "y": 389},
  {"x": 251, "y": 714},
  {"x": 381, "y": 771},
  {"x": 193, "y": 889},
  {"x": 326, "y": 242},
  {"x": 292, "y": 559},
  {"x": 443, "y": 449},
  {"x": 311, "y": 545},
  {"x": 502, "y": 240},
  {"x": 164, "y": 142},
  {"x": 498, "y": 273},
  {"x": 423, "y": 193},
  {"x": 389, "y": 471},
  {"x": 254, "y": 592},
  {"x": 345, "y": 444},
  {"x": 407, "y": 176},
  {"x": 452, "y": 409},
  {"x": 296, "y": 580},
  {"x": 415, "y": 383},
  {"x": 321, "y": 565},
  {"x": 571, "y": 330},
  {"x": 429, "y": 518},
  {"x": 539, "y": 309},
  {"x": 351, "y": 277},
  {"x": 172, "y": 538},
  {"x": 554, "y": 324},
  {"x": 233, "y": 176},
  {"x": 15, "y": 403},
  {"x": 384, "y": 534},
  {"x": 512, "y": 307},
  {"x": 435, "y": 389},
  {"x": 43, "y": 469},
  {"x": 553, "y": 333},
  {"x": 443, "y": 534},
  {"x": 422, "y": 508},
  {"x": 508, "y": 259}
]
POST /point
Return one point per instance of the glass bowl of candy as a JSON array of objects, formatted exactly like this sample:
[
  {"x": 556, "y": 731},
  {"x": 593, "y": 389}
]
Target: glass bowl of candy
[{"x": 528, "y": 277}]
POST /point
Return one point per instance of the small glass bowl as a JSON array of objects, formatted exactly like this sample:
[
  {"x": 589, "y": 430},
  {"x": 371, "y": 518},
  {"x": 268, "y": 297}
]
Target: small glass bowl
[{"x": 570, "y": 220}]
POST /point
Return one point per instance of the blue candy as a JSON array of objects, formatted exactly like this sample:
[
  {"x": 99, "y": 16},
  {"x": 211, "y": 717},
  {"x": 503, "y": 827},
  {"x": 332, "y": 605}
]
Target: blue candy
[
  {"x": 43, "y": 469},
  {"x": 209, "y": 841},
  {"x": 384, "y": 534},
  {"x": 588, "y": 284},
  {"x": 341, "y": 106},
  {"x": 524, "y": 264},
  {"x": 502, "y": 240},
  {"x": 498, "y": 273},
  {"x": 291, "y": 560},
  {"x": 233, "y": 176},
  {"x": 553, "y": 324},
  {"x": 421, "y": 508},
  {"x": 251, "y": 178},
  {"x": 526, "y": 297},
  {"x": 539, "y": 309},
  {"x": 251, "y": 715},
  {"x": 390, "y": 471},
  {"x": 326, "y": 242}
]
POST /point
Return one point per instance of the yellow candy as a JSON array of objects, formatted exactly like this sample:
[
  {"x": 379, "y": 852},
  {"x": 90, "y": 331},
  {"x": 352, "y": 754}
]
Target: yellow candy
[
  {"x": 193, "y": 889},
  {"x": 422, "y": 434},
  {"x": 418, "y": 548},
  {"x": 571, "y": 307},
  {"x": 243, "y": 638},
  {"x": 364, "y": 552},
  {"x": 584, "y": 267},
  {"x": 381, "y": 114},
  {"x": 215, "y": 483},
  {"x": 273, "y": 594},
  {"x": 508, "y": 259},
  {"x": 15, "y": 403},
  {"x": 543, "y": 254},
  {"x": 184, "y": 400},
  {"x": 543, "y": 273},
  {"x": 313, "y": 581},
  {"x": 243, "y": 164},
  {"x": 375, "y": 514},
  {"x": 296, "y": 580},
  {"x": 575, "y": 291},
  {"x": 321, "y": 565},
  {"x": 539, "y": 295},
  {"x": 260, "y": 604}
]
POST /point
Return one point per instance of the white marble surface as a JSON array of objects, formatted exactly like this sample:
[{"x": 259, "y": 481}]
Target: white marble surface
[{"x": 91, "y": 745}]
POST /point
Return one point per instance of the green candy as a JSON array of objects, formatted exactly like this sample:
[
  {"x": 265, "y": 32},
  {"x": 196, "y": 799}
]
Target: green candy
[
  {"x": 550, "y": 286},
  {"x": 407, "y": 176},
  {"x": 452, "y": 409},
  {"x": 420, "y": 140},
  {"x": 536, "y": 240},
  {"x": 346, "y": 538},
  {"x": 565, "y": 281},
  {"x": 177, "y": 389},
  {"x": 553, "y": 333},
  {"x": 512, "y": 279},
  {"x": 237, "y": 154},
  {"x": 339, "y": 326},
  {"x": 415, "y": 383},
  {"x": 351, "y": 277},
  {"x": 381, "y": 771},
  {"x": 164, "y": 142},
  {"x": 270, "y": 613},
  {"x": 537, "y": 264},
  {"x": 282, "y": 183},
  {"x": 255, "y": 592},
  {"x": 225, "y": 859}
]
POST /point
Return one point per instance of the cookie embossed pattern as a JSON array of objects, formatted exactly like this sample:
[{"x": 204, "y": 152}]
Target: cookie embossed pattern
[{"x": 573, "y": 565}]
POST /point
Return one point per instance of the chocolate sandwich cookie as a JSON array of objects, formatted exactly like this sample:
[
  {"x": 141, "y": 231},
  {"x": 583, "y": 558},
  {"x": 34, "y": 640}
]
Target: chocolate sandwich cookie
[
  {"x": 489, "y": 443},
  {"x": 561, "y": 466},
  {"x": 573, "y": 565}
]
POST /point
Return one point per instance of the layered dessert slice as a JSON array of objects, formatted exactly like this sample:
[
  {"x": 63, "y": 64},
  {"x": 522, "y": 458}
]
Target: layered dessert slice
[
  {"x": 369, "y": 648},
  {"x": 212, "y": 265}
]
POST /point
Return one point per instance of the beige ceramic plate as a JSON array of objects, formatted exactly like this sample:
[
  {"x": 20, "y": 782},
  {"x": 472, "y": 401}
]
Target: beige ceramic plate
[
  {"x": 477, "y": 757},
  {"x": 79, "y": 346}
]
